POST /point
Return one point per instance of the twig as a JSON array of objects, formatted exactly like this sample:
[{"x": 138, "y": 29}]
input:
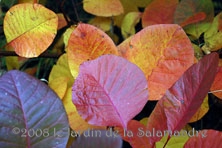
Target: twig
[{"x": 43, "y": 55}]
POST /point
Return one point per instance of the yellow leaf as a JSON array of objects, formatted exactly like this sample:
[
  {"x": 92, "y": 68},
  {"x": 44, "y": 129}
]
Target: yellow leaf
[
  {"x": 144, "y": 121},
  {"x": 76, "y": 122},
  {"x": 129, "y": 22},
  {"x": 103, "y": 23},
  {"x": 103, "y": 7},
  {"x": 177, "y": 140},
  {"x": 30, "y": 28},
  {"x": 12, "y": 62},
  {"x": 213, "y": 35},
  {"x": 61, "y": 69},
  {"x": 67, "y": 34},
  {"x": 201, "y": 111},
  {"x": 60, "y": 90}
]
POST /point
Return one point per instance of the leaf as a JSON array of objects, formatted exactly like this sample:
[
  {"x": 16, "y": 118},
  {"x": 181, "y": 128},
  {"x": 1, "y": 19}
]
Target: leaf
[
  {"x": 163, "y": 52},
  {"x": 103, "y": 7},
  {"x": 129, "y": 22},
  {"x": 135, "y": 134},
  {"x": 183, "y": 99},
  {"x": 205, "y": 139},
  {"x": 61, "y": 71},
  {"x": 216, "y": 87},
  {"x": 31, "y": 114},
  {"x": 61, "y": 21},
  {"x": 30, "y": 28},
  {"x": 176, "y": 140},
  {"x": 103, "y": 23},
  {"x": 76, "y": 122},
  {"x": 67, "y": 34},
  {"x": 194, "y": 19},
  {"x": 202, "y": 110},
  {"x": 98, "y": 138},
  {"x": 86, "y": 43},
  {"x": 104, "y": 89},
  {"x": 200, "y": 13},
  {"x": 152, "y": 14},
  {"x": 212, "y": 36}
]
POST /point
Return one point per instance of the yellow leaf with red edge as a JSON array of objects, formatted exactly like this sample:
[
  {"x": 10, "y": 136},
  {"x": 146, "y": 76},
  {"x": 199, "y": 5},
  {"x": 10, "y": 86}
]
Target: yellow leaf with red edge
[
  {"x": 103, "y": 23},
  {"x": 61, "y": 69},
  {"x": 213, "y": 35},
  {"x": 103, "y": 7},
  {"x": 129, "y": 22},
  {"x": 163, "y": 52},
  {"x": 201, "y": 111},
  {"x": 87, "y": 43},
  {"x": 76, "y": 122},
  {"x": 216, "y": 87},
  {"x": 159, "y": 12},
  {"x": 30, "y": 28}
]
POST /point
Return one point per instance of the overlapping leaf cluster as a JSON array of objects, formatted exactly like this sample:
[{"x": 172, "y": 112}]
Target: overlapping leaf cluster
[{"x": 100, "y": 84}]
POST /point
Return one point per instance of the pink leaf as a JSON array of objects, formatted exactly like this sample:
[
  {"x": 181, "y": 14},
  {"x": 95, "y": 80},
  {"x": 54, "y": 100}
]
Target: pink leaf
[
  {"x": 183, "y": 99},
  {"x": 109, "y": 91},
  {"x": 205, "y": 139}
]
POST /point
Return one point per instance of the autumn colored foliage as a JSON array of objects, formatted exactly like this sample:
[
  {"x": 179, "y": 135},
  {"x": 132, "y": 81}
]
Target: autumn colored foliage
[{"x": 80, "y": 73}]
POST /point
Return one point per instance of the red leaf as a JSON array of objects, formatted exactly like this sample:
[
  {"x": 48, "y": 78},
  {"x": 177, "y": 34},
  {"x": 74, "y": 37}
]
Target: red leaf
[
  {"x": 205, "y": 139},
  {"x": 159, "y": 12},
  {"x": 135, "y": 134},
  {"x": 194, "y": 19},
  {"x": 216, "y": 87},
  {"x": 109, "y": 91},
  {"x": 183, "y": 99}
]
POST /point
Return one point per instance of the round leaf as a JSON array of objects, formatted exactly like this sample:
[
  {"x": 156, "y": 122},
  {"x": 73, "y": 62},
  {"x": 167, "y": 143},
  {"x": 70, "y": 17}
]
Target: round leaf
[
  {"x": 105, "y": 87},
  {"x": 103, "y": 7},
  {"x": 31, "y": 114},
  {"x": 30, "y": 28},
  {"x": 163, "y": 52}
]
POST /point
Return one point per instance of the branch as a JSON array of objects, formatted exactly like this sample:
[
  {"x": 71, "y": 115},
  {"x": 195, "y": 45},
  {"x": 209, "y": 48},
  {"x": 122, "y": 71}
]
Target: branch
[{"x": 43, "y": 55}]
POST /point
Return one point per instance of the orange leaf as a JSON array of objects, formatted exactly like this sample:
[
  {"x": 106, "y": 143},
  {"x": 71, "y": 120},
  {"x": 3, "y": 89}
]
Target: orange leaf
[
  {"x": 103, "y": 7},
  {"x": 216, "y": 87},
  {"x": 159, "y": 12},
  {"x": 86, "y": 43},
  {"x": 30, "y": 28},
  {"x": 163, "y": 52},
  {"x": 61, "y": 21}
]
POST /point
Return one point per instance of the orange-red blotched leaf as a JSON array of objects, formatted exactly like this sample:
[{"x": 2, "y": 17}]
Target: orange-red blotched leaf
[
  {"x": 109, "y": 91},
  {"x": 205, "y": 139},
  {"x": 159, "y": 12},
  {"x": 86, "y": 43},
  {"x": 183, "y": 99},
  {"x": 103, "y": 7},
  {"x": 30, "y": 28},
  {"x": 163, "y": 52}
]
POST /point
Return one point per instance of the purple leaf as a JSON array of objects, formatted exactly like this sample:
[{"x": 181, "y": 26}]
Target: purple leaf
[
  {"x": 98, "y": 138},
  {"x": 109, "y": 91},
  {"x": 31, "y": 114}
]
